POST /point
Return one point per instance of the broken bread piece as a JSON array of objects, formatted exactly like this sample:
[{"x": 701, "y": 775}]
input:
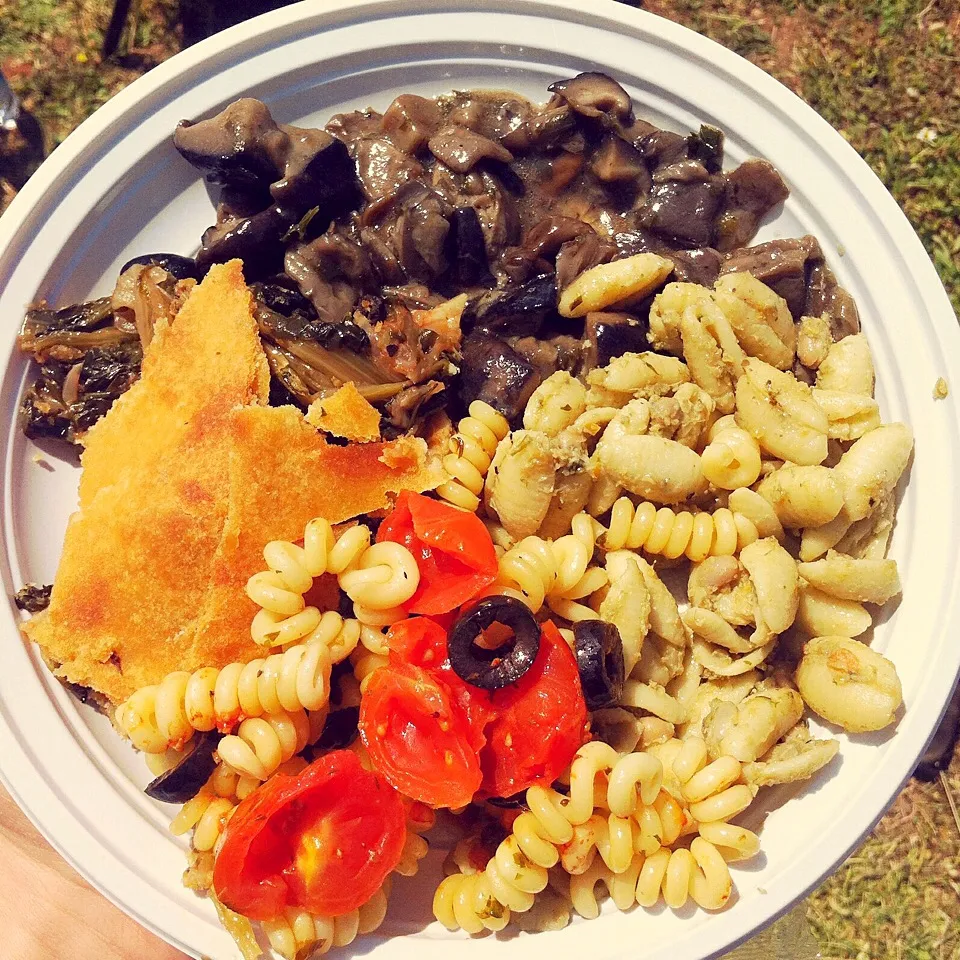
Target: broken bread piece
[
  {"x": 347, "y": 414},
  {"x": 137, "y": 557},
  {"x": 196, "y": 369}
]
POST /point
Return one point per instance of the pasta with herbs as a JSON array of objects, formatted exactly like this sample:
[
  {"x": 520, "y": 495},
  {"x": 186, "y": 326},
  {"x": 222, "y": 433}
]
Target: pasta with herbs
[
  {"x": 167, "y": 715},
  {"x": 376, "y": 577},
  {"x": 473, "y": 448},
  {"x": 298, "y": 931},
  {"x": 672, "y": 534},
  {"x": 262, "y": 744}
]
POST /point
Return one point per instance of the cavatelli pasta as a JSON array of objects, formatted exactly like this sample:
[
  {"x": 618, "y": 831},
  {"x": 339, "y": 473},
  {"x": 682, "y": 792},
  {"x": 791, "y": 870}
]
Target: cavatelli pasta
[
  {"x": 732, "y": 457},
  {"x": 167, "y": 714},
  {"x": 472, "y": 450},
  {"x": 665, "y": 532}
]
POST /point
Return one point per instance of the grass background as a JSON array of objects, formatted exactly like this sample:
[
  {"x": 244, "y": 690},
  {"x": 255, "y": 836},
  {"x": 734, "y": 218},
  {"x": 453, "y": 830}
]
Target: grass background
[{"x": 886, "y": 73}]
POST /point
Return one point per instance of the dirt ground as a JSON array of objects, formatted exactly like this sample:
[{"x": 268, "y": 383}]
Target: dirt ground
[{"x": 886, "y": 73}]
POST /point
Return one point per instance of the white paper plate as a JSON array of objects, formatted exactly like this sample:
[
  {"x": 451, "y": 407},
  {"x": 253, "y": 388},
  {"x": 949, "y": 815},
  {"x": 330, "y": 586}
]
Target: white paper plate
[{"x": 117, "y": 188}]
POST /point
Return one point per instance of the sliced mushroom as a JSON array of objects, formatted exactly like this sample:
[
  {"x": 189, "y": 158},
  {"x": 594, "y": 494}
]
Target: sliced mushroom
[
  {"x": 466, "y": 250},
  {"x": 410, "y": 121},
  {"x": 494, "y": 372},
  {"x": 230, "y": 147},
  {"x": 330, "y": 272},
  {"x": 594, "y": 95},
  {"x": 256, "y": 240},
  {"x": 684, "y": 210},
  {"x": 782, "y": 265},
  {"x": 384, "y": 168},
  {"x": 752, "y": 190},
  {"x": 616, "y": 161},
  {"x": 462, "y": 149},
  {"x": 517, "y": 310},
  {"x": 610, "y": 335}
]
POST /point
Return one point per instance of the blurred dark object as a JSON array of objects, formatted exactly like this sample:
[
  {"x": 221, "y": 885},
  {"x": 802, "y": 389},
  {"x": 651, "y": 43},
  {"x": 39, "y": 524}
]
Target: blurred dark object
[
  {"x": 9, "y": 106},
  {"x": 114, "y": 31},
  {"x": 940, "y": 751},
  {"x": 21, "y": 151},
  {"x": 199, "y": 18},
  {"x": 203, "y": 18}
]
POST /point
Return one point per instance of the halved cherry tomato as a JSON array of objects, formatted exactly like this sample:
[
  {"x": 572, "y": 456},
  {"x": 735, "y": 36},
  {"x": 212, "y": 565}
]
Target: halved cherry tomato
[
  {"x": 323, "y": 841},
  {"x": 422, "y": 642},
  {"x": 452, "y": 547},
  {"x": 539, "y": 724},
  {"x": 417, "y": 737}
]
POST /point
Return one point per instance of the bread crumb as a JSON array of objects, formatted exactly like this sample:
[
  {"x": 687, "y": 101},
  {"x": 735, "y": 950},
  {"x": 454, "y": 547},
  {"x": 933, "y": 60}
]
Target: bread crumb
[{"x": 940, "y": 389}]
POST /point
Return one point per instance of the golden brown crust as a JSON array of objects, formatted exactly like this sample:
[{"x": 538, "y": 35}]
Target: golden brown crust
[
  {"x": 187, "y": 361},
  {"x": 137, "y": 556},
  {"x": 283, "y": 474},
  {"x": 346, "y": 414}
]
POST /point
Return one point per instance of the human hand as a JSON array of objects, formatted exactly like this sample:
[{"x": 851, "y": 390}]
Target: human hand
[{"x": 47, "y": 911}]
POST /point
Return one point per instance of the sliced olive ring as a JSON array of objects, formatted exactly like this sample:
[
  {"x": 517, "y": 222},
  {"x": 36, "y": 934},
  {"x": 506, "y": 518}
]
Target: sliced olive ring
[
  {"x": 183, "y": 782},
  {"x": 506, "y": 664},
  {"x": 599, "y": 652}
]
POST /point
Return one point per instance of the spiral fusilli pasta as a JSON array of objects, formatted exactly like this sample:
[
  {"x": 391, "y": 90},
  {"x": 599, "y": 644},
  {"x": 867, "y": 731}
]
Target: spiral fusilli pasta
[
  {"x": 566, "y": 829},
  {"x": 377, "y": 577},
  {"x": 556, "y": 571},
  {"x": 665, "y": 532},
  {"x": 699, "y": 873},
  {"x": 617, "y": 826},
  {"x": 166, "y": 715},
  {"x": 262, "y": 744},
  {"x": 298, "y": 931},
  {"x": 472, "y": 449}
]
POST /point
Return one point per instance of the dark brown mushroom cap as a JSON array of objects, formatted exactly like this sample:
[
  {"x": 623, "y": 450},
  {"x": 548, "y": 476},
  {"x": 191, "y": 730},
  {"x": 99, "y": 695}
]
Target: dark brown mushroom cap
[
  {"x": 594, "y": 95},
  {"x": 616, "y": 161}
]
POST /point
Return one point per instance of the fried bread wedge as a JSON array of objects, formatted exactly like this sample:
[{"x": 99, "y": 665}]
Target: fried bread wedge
[{"x": 137, "y": 557}]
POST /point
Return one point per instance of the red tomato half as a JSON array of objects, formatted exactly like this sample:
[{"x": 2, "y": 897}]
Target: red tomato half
[
  {"x": 418, "y": 737},
  {"x": 323, "y": 841},
  {"x": 540, "y": 722},
  {"x": 422, "y": 642},
  {"x": 452, "y": 547}
]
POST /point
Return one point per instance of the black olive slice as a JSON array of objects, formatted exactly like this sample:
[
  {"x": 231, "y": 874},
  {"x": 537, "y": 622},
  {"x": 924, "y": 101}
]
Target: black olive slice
[
  {"x": 506, "y": 664},
  {"x": 340, "y": 730},
  {"x": 182, "y": 782},
  {"x": 599, "y": 653}
]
